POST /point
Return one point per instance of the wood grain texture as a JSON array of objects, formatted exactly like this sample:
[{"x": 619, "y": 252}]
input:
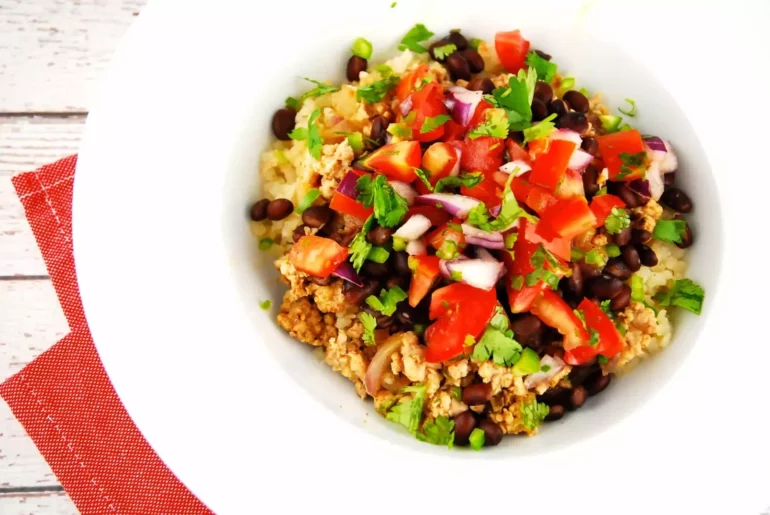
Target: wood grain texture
[
  {"x": 54, "y": 51},
  {"x": 42, "y": 503}
]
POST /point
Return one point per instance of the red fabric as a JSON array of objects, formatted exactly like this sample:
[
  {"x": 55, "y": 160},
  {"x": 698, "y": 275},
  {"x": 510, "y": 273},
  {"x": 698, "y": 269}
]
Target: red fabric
[{"x": 64, "y": 398}]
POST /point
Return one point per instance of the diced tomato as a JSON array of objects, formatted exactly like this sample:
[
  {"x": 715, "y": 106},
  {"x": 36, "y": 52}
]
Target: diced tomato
[
  {"x": 580, "y": 355},
  {"x": 437, "y": 238},
  {"x": 571, "y": 185},
  {"x": 538, "y": 147},
  {"x": 487, "y": 191},
  {"x": 549, "y": 168},
  {"x": 396, "y": 160},
  {"x": 428, "y": 102},
  {"x": 457, "y": 297},
  {"x": 515, "y": 152},
  {"x": 569, "y": 217},
  {"x": 439, "y": 161},
  {"x": 411, "y": 80},
  {"x": 436, "y": 215},
  {"x": 520, "y": 187},
  {"x": 554, "y": 312},
  {"x": 346, "y": 205},
  {"x": 603, "y": 205},
  {"x": 512, "y": 50},
  {"x": 610, "y": 148},
  {"x": 453, "y": 131},
  {"x": 559, "y": 247},
  {"x": 521, "y": 299},
  {"x": 482, "y": 154},
  {"x": 425, "y": 271},
  {"x": 478, "y": 114},
  {"x": 317, "y": 256},
  {"x": 540, "y": 199},
  {"x": 610, "y": 341}
]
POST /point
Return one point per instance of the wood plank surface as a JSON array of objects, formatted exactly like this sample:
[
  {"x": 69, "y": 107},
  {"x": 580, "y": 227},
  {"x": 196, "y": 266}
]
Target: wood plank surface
[{"x": 36, "y": 503}]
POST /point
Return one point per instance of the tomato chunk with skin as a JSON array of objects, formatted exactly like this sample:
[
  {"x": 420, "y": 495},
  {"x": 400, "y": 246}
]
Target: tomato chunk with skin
[
  {"x": 559, "y": 247},
  {"x": 521, "y": 299},
  {"x": 487, "y": 191},
  {"x": 411, "y": 81},
  {"x": 539, "y": 199},
  {"x": 437, "y": 237},
  {"x": 478, "y": 114},
  {"x": 425, "y": 272},
  {"x": 317, "y": 256},
  {"x": 346, "y": 205},
  {"x": 610, "y": 341},
  {"x": 512, "y": 50},
  {"x": 549, "y": 168},
  {"x": 439, "y": 161},
  {"x": 538, "y": 147},
  {"x": 569, "y": 217},
  {"x": 428, "y": 102},
  {"x": 612, "y": 145},
  {"x": 515, "y": 151},
  {"x": 554, "y": 312},
  {"x": 451, "y": 299},
  {"x": 396, "y": 160},
  {"x": 482, "y": 154},
  {"x": 603, "y": 205},
  {"x": 571, "y": 185},
  {"x": 453, "y": 131}
]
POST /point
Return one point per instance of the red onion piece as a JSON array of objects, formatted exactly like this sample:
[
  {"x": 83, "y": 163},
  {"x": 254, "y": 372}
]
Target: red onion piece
[
  {"x": 456, "y": 205},
  {"x": 416, "y": 248},
  {"x": 415, "y": 227},
  {"x": 567, "y": 135},
  {"x": 655, "y": 180},
  {"x": 641, "y": 187},
  {"x": 380, "y": 363},
  {"x": 404, "y": 190},
  {"x": 662, "y": 153},
  {"x": 476, "y": 272},
  {"x": 512, "y": 166},
  {"x": 484, "y": 255},
  {"x": 495, "y": 211},
  {"x": 464, "y": 103},
  {"x": 406, "y": 106},
  {"x": 655, "y": 143},
  {"x": 444, "y": 268},
  {"x": 346, "y": 271},
  {"x": 347, "y": 185},
  {"x": 537, "y": 378},
  {"x": 579, "y": 160},
  {"x": 490, "y": 240}
]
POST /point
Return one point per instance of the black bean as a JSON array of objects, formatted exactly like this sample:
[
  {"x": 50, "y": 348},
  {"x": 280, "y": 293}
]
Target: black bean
[
  {"x": 493, "y": 435},
  {"x": 379, "y": 129},
  {"x": 555, "y": 351},
  {"x": 374, "y": 269},
  {"x": 356, "y": 65},
  {"x": 528, "y": 329},
  {"x": 677, "y": 200},
  {"x": 477, "y": 394},
  {"x": 578, "y": 397},
  {"x": 258, "y": 211},
  {"x": 457, "y": 40},
  {"x": 573, "y": 121},
  {"x": 555, "y": 412},
  {"x": 357, "y": 295},
  {"x": 590, "y": 176},
  {"x": 317, "y": 216},
  {"x": 621, "y": 301},
  {"x": 321, "y": 281},
  {"x": 483, "y": 84},
  {"x": 669, "y": 178},
  {"x": 542, "y": 54},
  {"x": 686, "y": 238},
  {"x": 590, "y": 145},
  {"x": 298, "y": 233},
  {"x": 589, "y": 271},
  {"x": 396, "y": 281},
  {"x": 557, "y": 107},
  {"x": 647, "y": 256},
  {"x": 597, "y": 383},
  {"x": 465, "y": 423},
  {"x": 283, "y": 123},
  {"x": 432, "y": 50},
  {"x": 379, "y": 235},
  {"x": 631, "y": 257},
  {"x": 458, "y": 67},
  {"x": 539, "y": 110},
  {"x": 640, "y": 236},
  {"x": 605, "y": 286},
  {"x": 279, "y": 209},
  {"x": 475, "y": 61},
  {"x": 628, "y": 196},
  {"x": 617, "y": 267},
  {"x": 579, "y": 374},
  {"x": 575, "y": 281},
  {"x": 623, "y": 237},
  {"x": 543, "y": 92},
  {"x": 576, "y": 100},
  {"x": 401, "y": 263}
]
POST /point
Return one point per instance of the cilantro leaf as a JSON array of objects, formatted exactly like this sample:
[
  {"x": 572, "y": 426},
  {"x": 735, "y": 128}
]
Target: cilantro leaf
[
  {"x": 424, "y": 178},
  {"x": 509, "y": 210},
  {"x": 469, "y": 180},
  {"x": 617, "y": 221},
  {"x": 594, "y": 341},
  {"x": 265, "y": 243},
  {"x": 632, "y": 111},
  {"x": 434, "y": 122},
  {"x": 479, "y": 216},
  {"x": 545, "y": 69},
  {"x": 409, "y": 412},
  {"x": 440, "y": 431},
  {"x": 516, "y": 99},
  {"x": 670, "y": 231},
  {"x": 475, "y": 43},
  {"x": 389, "y": 206},
  {"x": 376, "y": 91},
  {"x": 541, "y": 129},
  {"x": 498, "y": 346},
  {"x": 533, "y": 413},
  {"x": 602, "y": 360},
  {"x": 596, "y": 257},
  {"x": 448, "y": 250},
  {"x": 630, "y": 161},
  {"x": 370, "y": 324},
  {"x": 387, "y": 301},
  {"x": 414, "y": 37},
  {"x": 311, "y": 135},
  {"x": 684, "y": 293},
  {"x": 320, "y": 89},
  {"x": 359, "y": 248},
  {"x": 444, "y": 51},
  {"x": 477, "y": 438},
  {"x": 605, "y": 305},
  {"x": 362, "y": 48},
  {"x": 495, "y": 125},
  {"x": 293, "y": 103}
]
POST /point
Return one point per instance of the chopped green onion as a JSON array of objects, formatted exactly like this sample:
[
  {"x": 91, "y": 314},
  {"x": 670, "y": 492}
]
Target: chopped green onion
[
  {"x": 293, "y": 103},
  {"x": 265, "y": 304},
  {"x": 567, "y": 84},
  {"x": 356, "y": 142},
  {"x": 632, "y": 111},
  {"x": 265, "y": 243},
  {"x": 610, "y": 123},
  {"x": 307, "y": 200},
  {"x": 378, "y": 254},
  {"x": 393, "y": 5},
  {"x": 475, "y": 43},
  {"x": 584, "y": 91},
  {"x": 602, "y": 360},
  {"x": 637, "y": 288},
  {"x": 576, "y": 254},
  {"x": 476, "y": 439},
  {"x": 362, "y": 48},
  {"x": 612, "y": 250},
  {"x": 399, "y": 244}
]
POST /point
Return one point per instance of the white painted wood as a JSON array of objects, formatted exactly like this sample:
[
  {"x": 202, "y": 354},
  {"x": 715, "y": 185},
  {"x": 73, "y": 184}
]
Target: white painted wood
[
  {"x": 19, "y": 255},
  {"x": 44, "y": 503},
  {"x": 54, "y": 51}
]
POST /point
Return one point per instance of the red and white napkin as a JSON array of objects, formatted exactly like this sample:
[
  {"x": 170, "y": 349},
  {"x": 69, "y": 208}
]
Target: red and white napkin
[{"x": 64, "y": 398}]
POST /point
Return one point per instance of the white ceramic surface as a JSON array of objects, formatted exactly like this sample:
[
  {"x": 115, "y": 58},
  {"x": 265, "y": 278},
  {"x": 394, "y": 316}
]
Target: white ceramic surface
[{"x": 169, "y": 166}]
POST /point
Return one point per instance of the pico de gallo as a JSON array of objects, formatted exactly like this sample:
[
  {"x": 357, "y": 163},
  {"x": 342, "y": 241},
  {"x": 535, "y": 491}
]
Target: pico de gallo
[{"x": 496, "y": 216}]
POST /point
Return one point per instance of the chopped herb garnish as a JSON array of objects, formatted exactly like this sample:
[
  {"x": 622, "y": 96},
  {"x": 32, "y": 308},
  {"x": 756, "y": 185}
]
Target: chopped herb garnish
[
  {"x": 576, "y": 254},
  {"x": 476, "y": 438},
  {"x": 605, "y": 305},
  {"x": 388, "y": 300},
  {"x": 439, "y": 431},
  {"x": 478, "y": 216},
  {"x": 567, "y": 83},
  {"x": 545, "y": 69},
  {"x": 596, "y": 257},
  {"x": 545, "y": 368},
  {"x": 670, "y": 231},
  {"x": 610, "y": 123},
  {"x": 580, "y": 315},
  {"x": 456, "y": 276},
  {"x": 265, "y": 243},
  {"x": 389, "y": 206},
  {"x": 516, "y": 99},
  {"x": 498, "y": 346},
  {"x": 448, "y": 250},
  {"x": 475, "y": 43},
  {"x": 424, "y": 178},
  {"x": 469, "y": 180},
  {"x": 517, "y": 282},
  {"x": 444, "y": 51},
  {"x": 533, "y": 413},
  {"x": 319, "y": 90},
  {"x": 265, "y": 304},
  {"x": 408, "y": 412},
  {"x": 510, "y": 240},
  {"x": 434, "y": 122},
  {"x": 539, "y": 258},
  {"x": 495, "y": 125},
  {"x": 307, "y": 201},
  {"x": 594, "y": 341},
  {"x": 376, "y": 91},
  {"x": 637, "y": 288},
  {"x": 370, "y": 324},
  {"x": 541, "y": 129},
  {"x": 414, "y": 37},
  {"x": 631, "y": 161},
  {"x": 362, "y": 48},
  {"x": 359, "y": 247},
  {"x": 602, "y": 360},
  {"x": 311, "y": 135},
  {"x": 355, "y": 140},
  {"x": 684, "y": 293},
  {"x": 456, "y": 392},
  {"x": 293, "y": 103},
  {"x": 617, "y": 220},
  {"x": 612, "y": 250},
  {"x": 631, "y": 112}
]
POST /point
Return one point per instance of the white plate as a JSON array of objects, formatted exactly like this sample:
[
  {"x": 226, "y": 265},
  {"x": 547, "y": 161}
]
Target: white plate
[{"x": 243, "y": 415}]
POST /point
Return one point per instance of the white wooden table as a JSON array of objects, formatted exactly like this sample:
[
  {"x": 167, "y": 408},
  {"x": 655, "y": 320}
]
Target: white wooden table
[{"x": 52, "y": 53}]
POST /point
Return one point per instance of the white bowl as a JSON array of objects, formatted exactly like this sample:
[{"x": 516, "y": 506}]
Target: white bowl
[{"x": 172, "y": 279}]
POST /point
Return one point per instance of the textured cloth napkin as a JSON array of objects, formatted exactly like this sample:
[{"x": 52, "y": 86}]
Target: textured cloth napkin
[{"x": 64, "y": 398}]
